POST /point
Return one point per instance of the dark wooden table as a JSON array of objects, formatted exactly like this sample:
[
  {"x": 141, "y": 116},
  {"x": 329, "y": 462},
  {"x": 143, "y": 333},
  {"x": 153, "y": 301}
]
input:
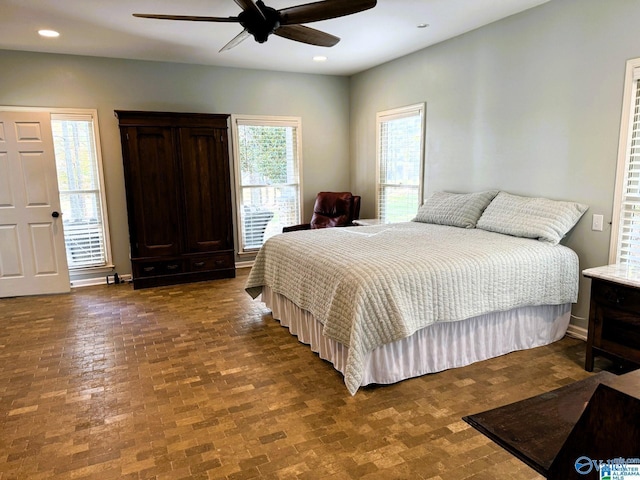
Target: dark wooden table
[{"x": 536, "y": 430}]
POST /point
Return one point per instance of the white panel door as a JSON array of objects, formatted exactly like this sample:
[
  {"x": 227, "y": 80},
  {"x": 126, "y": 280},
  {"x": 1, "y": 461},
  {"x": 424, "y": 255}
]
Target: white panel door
[{"x": 32, "y": 251}]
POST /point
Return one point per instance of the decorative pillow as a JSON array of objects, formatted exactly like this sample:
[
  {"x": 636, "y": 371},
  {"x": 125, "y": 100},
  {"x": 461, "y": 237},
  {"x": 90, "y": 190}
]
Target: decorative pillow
[
  {"x": 454, "y": 209},
  {"x": 539, "y": 218}
]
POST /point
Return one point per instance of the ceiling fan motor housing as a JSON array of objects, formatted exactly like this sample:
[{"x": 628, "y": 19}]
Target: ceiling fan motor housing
[{"x": 260, "y": 26}]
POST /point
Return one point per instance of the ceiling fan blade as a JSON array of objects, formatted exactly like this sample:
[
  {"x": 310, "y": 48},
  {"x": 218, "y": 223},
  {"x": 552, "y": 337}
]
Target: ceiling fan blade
[
  {"x": 243, "y": 35},
  {"x": 303, "y": 34},
  {"x": 324, "y": 10},
  {"x": 187, "y": 17},
  {"x": 250, "y": 5}
]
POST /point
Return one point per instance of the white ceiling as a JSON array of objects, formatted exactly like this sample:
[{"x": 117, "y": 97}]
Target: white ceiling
[{"x": 106, "y": 28}]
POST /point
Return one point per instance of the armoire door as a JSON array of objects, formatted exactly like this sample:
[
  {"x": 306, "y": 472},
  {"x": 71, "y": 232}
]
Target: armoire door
[
  {"x": 207, "y": 194},
  {"x": 152, "y": 186}
]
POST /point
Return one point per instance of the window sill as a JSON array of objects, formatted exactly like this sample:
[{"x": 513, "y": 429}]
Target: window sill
[{"x": 91, "y": 270}]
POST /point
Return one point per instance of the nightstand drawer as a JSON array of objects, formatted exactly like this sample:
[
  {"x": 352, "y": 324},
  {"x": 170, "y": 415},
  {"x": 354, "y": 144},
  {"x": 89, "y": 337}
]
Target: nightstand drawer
[
  {"x": 616, "y": 295},
  {"x": 619, "y": 327}
]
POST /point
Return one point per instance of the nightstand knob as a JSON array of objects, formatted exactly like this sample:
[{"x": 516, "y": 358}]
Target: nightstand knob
[{"x": 615, "y": 296}]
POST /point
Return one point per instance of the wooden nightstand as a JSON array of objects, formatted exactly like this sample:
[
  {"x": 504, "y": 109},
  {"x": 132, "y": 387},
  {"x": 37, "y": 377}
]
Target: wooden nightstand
[{"x": 614, "y": 314}]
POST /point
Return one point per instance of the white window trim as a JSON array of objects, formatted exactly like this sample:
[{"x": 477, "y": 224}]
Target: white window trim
[
  {"x": 392, "y": 114},
  {"x": 631, "y": 73},
  {"x": 94, "y": 115},
  {"x": 263, "y": 120}
]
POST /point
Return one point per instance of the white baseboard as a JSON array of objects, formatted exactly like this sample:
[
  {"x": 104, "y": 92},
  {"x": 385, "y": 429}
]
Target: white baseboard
[
  {"x": 577, "y": 332},
  {"x": 89, "y": 282}
]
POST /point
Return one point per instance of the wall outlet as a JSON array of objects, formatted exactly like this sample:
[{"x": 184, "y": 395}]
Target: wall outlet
[{"x": 597, "y": 222}]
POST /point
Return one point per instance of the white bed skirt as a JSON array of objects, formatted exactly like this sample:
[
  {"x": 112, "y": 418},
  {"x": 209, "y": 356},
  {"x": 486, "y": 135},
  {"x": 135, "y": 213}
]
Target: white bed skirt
[{"x": 435, "y": 348}]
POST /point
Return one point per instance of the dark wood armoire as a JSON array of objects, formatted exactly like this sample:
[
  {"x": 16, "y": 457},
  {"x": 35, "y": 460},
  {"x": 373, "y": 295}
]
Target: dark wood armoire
[{"x": 178, "y": 189}]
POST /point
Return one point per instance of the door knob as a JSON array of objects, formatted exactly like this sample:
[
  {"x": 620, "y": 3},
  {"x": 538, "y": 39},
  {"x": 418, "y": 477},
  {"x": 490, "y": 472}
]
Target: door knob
[{"x": 55, "y": 214}]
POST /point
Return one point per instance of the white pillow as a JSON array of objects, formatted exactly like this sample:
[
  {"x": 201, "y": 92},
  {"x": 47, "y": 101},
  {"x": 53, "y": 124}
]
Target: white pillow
[
  {"x": 454, "y": 209},
  {"x": 539, "y": 218}
]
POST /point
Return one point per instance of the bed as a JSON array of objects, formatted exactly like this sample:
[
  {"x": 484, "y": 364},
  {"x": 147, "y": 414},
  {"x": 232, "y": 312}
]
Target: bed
[{"x": 471, "y": 278}]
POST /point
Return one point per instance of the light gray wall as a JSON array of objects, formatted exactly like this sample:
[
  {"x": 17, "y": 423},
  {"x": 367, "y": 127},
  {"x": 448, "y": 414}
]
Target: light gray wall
[
  {"x": 530, "y": 105},
  {"x": 44, "y": 80}
]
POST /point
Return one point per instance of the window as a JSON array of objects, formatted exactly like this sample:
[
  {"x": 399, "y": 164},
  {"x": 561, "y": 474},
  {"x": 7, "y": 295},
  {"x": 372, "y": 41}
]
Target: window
[
  {"x": 625, "y": 238},
  {"x": 267, "y": 157},
  {"x": 81, "y": 194},
  {"x": 400, "y": 152}
]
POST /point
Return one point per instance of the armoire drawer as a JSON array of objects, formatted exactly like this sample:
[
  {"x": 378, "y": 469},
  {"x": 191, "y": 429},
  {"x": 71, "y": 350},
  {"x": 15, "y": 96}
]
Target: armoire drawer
[
  {"x": 153, "y": 269},
  {"x": 212, "y": 262}
]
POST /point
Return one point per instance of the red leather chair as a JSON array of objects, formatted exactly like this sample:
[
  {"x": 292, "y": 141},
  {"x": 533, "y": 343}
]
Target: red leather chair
[{"x": 332, "y": 209}]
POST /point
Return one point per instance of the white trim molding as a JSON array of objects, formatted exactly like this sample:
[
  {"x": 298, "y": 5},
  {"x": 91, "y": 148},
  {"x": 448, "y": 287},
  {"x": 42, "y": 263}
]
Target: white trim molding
[{"x": 577, "y": 332}]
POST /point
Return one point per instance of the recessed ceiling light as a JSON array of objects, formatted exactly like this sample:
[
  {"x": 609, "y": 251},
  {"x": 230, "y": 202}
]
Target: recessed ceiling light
[
  {"x": 319, "y": 58},
  {"x": 422, "y": 25},
  {"x": 48, "y": 33}
]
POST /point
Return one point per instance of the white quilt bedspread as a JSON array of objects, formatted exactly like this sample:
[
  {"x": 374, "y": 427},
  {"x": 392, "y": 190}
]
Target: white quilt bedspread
[{"x": 373, "y": 285}]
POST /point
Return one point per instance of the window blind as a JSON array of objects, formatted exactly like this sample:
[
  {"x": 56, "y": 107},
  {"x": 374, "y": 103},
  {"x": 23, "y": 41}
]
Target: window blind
[
  {"x": 400, "y": 154},
  {"x": 629, "y": 227}
]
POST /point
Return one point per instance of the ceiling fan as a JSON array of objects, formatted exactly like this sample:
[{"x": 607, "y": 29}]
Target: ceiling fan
[{"x": 261, "y": 21}]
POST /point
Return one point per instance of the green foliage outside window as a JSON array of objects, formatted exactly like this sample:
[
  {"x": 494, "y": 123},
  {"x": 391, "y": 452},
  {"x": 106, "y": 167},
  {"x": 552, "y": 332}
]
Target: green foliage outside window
[{"x": 264, "y": 153}]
